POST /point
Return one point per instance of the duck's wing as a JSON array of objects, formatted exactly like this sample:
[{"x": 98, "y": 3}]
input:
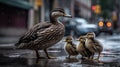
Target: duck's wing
[
  {"x": 74, "y": 49},
  {"x": 73, "y": 45},
  {"x": 31, "y": 34},
  {"x": 98, "y": 45}
]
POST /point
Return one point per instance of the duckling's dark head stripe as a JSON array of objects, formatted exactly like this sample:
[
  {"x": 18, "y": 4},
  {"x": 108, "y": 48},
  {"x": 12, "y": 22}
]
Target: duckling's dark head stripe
[{"x": 58, "y": 9}]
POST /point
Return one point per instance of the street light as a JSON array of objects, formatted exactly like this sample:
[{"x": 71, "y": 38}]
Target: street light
[{"x": 96, "y": 9}]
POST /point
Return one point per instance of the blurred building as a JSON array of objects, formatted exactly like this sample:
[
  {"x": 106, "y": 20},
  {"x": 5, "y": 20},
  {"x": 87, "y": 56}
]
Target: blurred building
[
  {"x": 17, "y": 16},
  {"x": 51, "y": 4},
  {"x": 84, "y": 8},
  {"x": 13, "y": 16},
  {"x": 118, "y": 14},
  {"x": 78, "y": 8}
]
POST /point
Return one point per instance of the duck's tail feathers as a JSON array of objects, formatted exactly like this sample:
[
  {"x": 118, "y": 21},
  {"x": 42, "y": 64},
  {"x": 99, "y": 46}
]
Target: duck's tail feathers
[{"x": 16, "y": 45}]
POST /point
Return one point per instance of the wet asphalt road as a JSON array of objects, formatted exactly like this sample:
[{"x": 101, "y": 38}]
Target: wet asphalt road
[{"x": 110, "y": 57}]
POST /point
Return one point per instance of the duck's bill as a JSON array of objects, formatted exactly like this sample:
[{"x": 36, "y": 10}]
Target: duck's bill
[{"x": 69, "y": 16}]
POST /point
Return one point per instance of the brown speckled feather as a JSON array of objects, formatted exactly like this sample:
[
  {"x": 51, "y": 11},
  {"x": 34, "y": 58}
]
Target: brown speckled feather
[
  {"x": 98, "y": 46},
  {"x": 41, "y": 36},
  {"x": 31, "y": 34}
]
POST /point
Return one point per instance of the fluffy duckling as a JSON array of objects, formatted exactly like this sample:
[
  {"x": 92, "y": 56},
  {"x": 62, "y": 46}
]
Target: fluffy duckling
[
  {"x": 81, "y": 48},
  {"x": 70, "y": 47},
  {"x": 44, "y": 34},
  {"x": 93, "y": 45}
]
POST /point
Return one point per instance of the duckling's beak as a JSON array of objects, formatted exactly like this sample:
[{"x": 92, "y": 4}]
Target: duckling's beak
[
  {"x": 64, "y": 41},
  {"x": 85, "y": 36},
  {"x": 77, "y": 39},
  {"x": 69, "y": 16}
]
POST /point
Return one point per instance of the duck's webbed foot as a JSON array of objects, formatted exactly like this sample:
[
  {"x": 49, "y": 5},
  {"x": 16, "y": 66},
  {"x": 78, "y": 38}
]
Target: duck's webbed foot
[
  {"x": 68, "y": 57},
  {"x": 41, "y": 58},
  {"x": 49, "y": 57},
  {"x": 91, "y": 57},
  {"x": 97, "y": 59},
  {"x": 38, "y": 56},
  {"x": 83, "y": 58}
]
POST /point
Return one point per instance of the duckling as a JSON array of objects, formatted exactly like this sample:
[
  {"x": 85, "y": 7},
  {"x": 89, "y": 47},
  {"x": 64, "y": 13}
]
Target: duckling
[
  {"x": 93, "y": 45},
  {"x": 81, "y": 48},
  {"x": 70, "y": 47},
  {"x": 44, "y": 34}
]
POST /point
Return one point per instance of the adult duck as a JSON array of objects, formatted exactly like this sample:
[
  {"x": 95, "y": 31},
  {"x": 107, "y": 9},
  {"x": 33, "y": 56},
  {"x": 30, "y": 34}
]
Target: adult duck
[{"x": 44, "y": 34}]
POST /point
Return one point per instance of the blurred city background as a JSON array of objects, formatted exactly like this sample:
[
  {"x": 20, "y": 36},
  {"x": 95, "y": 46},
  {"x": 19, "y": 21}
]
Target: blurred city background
[
  {"x": 88, "y": 15},
  {"x": 99, "y": 16}
]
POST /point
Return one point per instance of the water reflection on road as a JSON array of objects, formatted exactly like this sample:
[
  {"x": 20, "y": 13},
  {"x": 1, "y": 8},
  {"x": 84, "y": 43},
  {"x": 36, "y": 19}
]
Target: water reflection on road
[
  {"x": 110, "y": 57},
  {"x": 28, "y": 59}
]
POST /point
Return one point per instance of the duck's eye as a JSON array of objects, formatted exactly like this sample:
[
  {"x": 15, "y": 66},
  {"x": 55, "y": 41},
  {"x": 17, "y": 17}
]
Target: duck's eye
[{"x": 54, "y": 13}]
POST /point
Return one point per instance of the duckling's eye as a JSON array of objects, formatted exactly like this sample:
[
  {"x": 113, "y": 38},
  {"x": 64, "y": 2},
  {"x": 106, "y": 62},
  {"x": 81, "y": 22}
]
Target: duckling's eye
[
  {"x": 81, "y": 38},
  {"x": 67, "y": 39},
  {"x": 90, "y": 34}
]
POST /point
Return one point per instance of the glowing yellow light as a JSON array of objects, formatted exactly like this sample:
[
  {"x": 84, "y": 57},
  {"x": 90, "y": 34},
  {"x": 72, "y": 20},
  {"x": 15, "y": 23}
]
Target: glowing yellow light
[
  {"x": 100, "y": 24},
  {"x": 109, "y": 24},
  {"x": 38, "y": 2}
]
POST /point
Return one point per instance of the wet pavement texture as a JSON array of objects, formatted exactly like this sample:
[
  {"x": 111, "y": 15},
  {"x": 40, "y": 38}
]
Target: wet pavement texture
[
  {"x": 110, "y": 57},
  {"x": 28, "y": 59}
]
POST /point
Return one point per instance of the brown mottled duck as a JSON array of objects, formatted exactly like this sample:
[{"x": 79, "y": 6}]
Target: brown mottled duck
[
  {"x": 44, "y": 34},
  {"x": 70, "y": 47},
  {"x": 93, "y": 45},
  {"x": 81, "y": 48}
]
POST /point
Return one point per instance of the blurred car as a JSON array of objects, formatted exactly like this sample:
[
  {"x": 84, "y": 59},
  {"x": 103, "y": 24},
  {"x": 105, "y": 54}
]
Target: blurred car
[
  {"x": 80, "y": 26},
  {"x": 105, "y": 26}
]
